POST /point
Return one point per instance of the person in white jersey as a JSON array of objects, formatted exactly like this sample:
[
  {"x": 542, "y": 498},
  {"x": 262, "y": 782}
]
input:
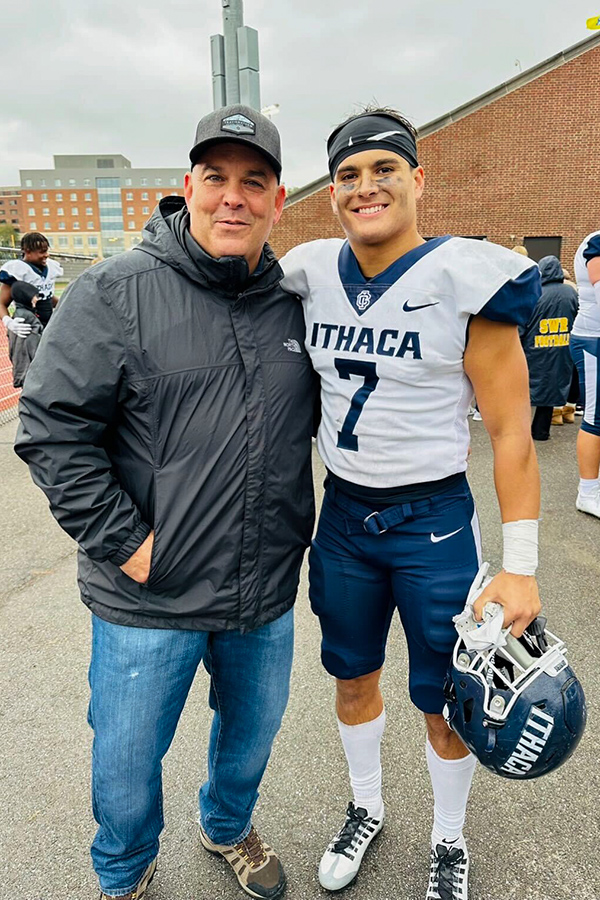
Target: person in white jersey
[
  {"x": 402, "y": 331},
  {"x": 585, "y": 350},
  {"x": 36, "y": 269}
]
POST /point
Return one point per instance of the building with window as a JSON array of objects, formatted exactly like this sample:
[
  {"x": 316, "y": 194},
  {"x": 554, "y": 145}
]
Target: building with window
[
  {"x": 10, "y": 207},
  {"x": 91, "y": 204},
  {"x": 516, "y": 165}
]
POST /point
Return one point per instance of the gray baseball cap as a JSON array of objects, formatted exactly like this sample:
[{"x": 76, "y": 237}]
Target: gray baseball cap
[{"x": 239, "y": 123}]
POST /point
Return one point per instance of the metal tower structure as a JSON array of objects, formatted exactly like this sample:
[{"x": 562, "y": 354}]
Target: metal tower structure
[{"x": 234, "y": 58}]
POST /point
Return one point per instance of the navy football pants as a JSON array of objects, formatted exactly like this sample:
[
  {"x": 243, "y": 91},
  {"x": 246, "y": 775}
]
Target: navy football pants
[{"x": 423, "y": 567}]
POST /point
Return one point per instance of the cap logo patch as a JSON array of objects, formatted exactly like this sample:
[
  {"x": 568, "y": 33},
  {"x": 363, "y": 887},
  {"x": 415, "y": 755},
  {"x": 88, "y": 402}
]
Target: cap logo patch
[{"x": 238, "y": 124}]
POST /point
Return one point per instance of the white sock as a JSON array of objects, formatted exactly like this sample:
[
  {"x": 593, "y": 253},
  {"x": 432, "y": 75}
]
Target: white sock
[
  {"x": 589, "y": 487},
  {"x": 362, "y": 745},
  {"x": 451, "y": 782}
]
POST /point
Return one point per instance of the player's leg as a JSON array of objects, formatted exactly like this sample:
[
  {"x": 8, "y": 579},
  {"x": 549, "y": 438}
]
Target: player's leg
[
  {"x": 428, "y": 596},
  {"x": 139, "y": 680},
  {"x": 586, "y": 356},
  {"x": 353, "y": 601}
]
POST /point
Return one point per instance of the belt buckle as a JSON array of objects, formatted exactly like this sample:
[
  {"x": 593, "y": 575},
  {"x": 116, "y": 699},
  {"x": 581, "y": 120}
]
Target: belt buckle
[{"x": 376, "y": 523}]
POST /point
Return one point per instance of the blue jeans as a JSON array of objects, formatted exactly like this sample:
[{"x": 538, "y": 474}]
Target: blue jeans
[{"x": 139, "y": 680}]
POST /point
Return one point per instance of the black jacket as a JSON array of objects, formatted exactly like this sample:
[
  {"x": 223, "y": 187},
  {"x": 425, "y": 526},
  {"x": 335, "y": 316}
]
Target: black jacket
[
  {"x": 172, "y": 391},
  {"x": 546, "y": 337}
]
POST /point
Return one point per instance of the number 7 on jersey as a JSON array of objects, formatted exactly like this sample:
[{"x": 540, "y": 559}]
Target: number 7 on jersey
[{"x": 347, "y": 440}]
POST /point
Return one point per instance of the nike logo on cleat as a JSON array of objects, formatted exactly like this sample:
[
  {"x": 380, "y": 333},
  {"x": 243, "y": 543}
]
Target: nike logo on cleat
[
  {"x": 408, "y": 308},
  {"x": 435, "y": 538}
]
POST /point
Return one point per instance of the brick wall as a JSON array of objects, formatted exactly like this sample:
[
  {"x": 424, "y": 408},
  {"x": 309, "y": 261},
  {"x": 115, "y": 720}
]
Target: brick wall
[{"x": 526, "y": 165}]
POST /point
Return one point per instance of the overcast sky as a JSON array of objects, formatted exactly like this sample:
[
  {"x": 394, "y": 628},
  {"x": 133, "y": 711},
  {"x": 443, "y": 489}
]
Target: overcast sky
[{"x": 101, "y": 76}]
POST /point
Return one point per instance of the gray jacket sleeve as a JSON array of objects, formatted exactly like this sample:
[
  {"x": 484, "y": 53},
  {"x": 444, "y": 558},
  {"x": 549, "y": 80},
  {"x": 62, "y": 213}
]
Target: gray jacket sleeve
[{"x": 70, "y": 397}]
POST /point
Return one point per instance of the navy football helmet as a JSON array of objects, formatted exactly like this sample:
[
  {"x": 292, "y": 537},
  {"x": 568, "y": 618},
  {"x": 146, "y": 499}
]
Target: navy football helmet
[{"x": 519, "y": 708}]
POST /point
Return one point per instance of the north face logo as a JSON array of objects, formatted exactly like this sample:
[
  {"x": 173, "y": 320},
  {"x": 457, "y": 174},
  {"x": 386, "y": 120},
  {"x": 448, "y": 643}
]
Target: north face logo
[
  {"x": 238, "y": 124},
  {"x": 292, "y": 345}
]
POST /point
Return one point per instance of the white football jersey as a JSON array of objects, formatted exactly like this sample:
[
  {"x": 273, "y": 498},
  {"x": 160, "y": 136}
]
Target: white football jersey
[
  {"x": 389, "y": 350},
  {"x": 20, "y": 270},
  {"x": 587, "y": 322}
]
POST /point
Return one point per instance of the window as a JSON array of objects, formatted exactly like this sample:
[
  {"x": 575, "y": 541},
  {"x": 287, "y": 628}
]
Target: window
[
  {"x": 144, "y": 195},
  {"x": 57, "y": 182},
  {"x": 132, "y": 226},
  {"x": 33, "y": 226},
  {"x": 145, "y": 210},
  {"x": 75, "y": 226},
  {"x": 158, "y": 182},
  {"x": 90, "y": 226},
  {"x": 63, "y": 241},
  {"x": 28, "y": 182},
  {"x": 538, "y": 247},
  {"x": 45, "y": 198},
  {"x": 92, "y": 241},
  {"x": 60, "y": 211},
  {"x": 88, "y": 197},
  {"x": 74, "y": 210},
  {"x": 129, "y": 195},
  {"x": 72, "y": 182},
  {"x": 130, "y": 210},
  {"x": 31, "y": 211},
  {"x": 105, "y": 163},
  {"x": 172, "y": 182},
  {"x": 30, "y": 198},
  {"x": 50, "y": 239},
  {"x": 143, "y": 181},
  {"x": 13, "y": 202},
  {"x": 73, "y": 196},
  {"x": 61, "y": 226},
  {"x": 45, "y": 211},
  {"x": 14, "y": 221},
  {"x": 47, "y": 226},
  {"x": 128, "y": 182},
  {"x": 87, "y": 182},
  {"x": 158, "y": 195},
  {"x": 58, "y": 197},
  {"x": 89, "y": 211},
  {"x": 42, "y": 182},
  {"x": 78, "y": 241}
]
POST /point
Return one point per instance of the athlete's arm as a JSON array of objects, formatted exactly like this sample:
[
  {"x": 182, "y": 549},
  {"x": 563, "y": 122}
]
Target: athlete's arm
[
  {"x": 495, "y": 363},
  {"x": 593, "y": 268},
  {"x": 54, "y": 300}
]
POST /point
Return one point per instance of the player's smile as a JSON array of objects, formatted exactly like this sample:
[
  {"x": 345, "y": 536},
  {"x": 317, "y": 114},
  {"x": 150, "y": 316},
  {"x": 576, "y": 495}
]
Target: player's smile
[{"x": 369, "y": 211}]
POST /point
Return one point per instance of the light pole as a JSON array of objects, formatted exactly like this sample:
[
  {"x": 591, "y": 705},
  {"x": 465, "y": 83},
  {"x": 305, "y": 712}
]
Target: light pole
[{"x": 234, "y": 58}]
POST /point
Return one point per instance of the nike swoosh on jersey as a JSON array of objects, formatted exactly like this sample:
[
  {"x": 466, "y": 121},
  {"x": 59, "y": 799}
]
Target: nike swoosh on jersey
[
  {"x": 408, "y": 308},
  {"x": 435, "y": 539}
]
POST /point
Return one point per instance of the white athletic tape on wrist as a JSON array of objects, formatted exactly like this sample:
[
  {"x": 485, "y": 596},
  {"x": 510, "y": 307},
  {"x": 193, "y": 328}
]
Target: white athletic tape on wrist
[{"x": 520, "y": 547}]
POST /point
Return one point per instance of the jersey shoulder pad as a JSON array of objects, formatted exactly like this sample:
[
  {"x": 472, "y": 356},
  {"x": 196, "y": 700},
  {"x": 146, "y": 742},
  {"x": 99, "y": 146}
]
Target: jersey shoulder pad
[
  {"x": 590, "y": 248},
  {"x": 494, "y": 281},
  {"x": 301, "y": 263},
  {"x": 54, "y": 269}
]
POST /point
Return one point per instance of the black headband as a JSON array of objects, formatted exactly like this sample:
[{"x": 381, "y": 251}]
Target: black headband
[{"x": 370, "y": 131}]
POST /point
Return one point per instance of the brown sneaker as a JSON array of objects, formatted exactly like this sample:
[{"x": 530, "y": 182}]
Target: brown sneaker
[
  {"x": 140, "y": 888},
  {"x": 557, "y": 416},
  {"x": 568, "y": 415},
  {"x": 255, "y": 864}
]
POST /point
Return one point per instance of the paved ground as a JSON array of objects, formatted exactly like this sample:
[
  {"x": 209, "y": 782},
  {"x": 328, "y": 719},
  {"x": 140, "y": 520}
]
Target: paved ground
[{"x": 529, "y": 841}]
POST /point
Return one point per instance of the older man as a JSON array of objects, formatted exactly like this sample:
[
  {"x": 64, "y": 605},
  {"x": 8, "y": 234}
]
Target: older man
[{"x": 173, "y": 441}]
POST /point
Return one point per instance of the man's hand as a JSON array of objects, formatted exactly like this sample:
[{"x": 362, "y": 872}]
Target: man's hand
[
  {"x": 138, "y": 565},
  {"x": 17, "y": 325},
  {"x": 519, "y": 596}
]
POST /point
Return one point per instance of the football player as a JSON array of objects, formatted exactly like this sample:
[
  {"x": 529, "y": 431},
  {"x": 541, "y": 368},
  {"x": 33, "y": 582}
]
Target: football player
[
  {"x": 402, "y": 331},
  {"x": 585, "y": 350},
  {"x": 35, "y": 268}
]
